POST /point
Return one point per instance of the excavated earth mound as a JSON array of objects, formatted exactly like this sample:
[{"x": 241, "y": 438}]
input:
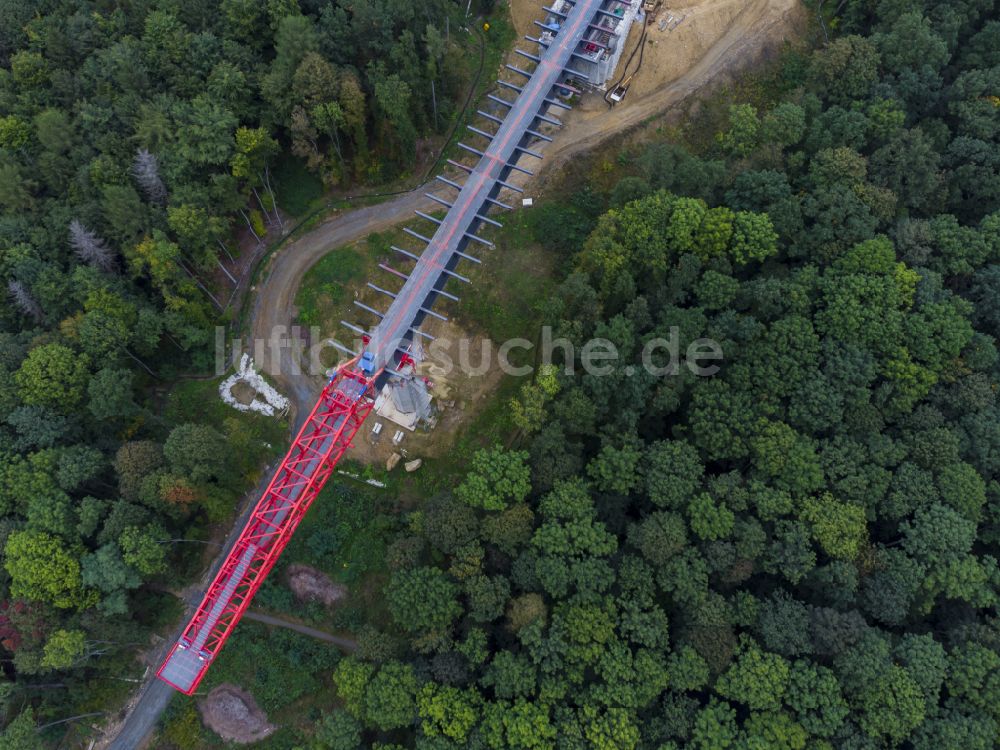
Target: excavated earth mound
[
  {"x": 234, "y": 715},
  {"x": 310, "y": 585}
]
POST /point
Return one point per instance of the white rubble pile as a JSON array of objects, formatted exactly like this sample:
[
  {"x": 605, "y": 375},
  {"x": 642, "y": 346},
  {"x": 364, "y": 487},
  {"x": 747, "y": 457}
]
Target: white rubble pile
[{"x": 268, "y": 401}]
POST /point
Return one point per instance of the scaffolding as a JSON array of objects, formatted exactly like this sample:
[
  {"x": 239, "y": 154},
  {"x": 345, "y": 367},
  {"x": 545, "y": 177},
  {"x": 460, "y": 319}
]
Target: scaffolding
[{"x": 604, "y": 42}]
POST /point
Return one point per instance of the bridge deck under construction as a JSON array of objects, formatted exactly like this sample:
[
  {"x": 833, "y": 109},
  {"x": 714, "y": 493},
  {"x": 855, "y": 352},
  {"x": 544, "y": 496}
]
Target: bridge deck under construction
[
  {"x": 456, "y": 234},
  {"x": 347, "y": 399}
]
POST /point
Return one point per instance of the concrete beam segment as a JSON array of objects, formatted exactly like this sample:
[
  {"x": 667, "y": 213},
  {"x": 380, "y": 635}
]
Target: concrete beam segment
[
  {"x": 428, "y": 217},
  {"x": 436, "y": 199},
  {"x": 379, "y": 289},
  {"x": 365, "y": 307},
  {"x": 521, "y": 169},
  {"x": 357, "y": 329},
  {"x": 393, "y": 271},
  {"x": 459, "y": 165},
  {"x": 540, "y": 136},
  {"x": 480, "y": 240},
  {"x": 346, "y": 350},
  {"x": 407, "y": 253},
  {"x": 450, "y": 238},
  {"x": 500, "y": 204},
  {"x": 529, "y": 152},
  {"x": 470, "y": 149},
  {"x": 454, "y": 275},
  {"x": 478, "y": 131},
  {"x": 498, "y": 100},
  {"x": 519, "y": 71},
  {"x": 491, "y": 118},
  {"x": 433, "y": 314},
  {"x": 488, "y": 220},
  {"x": 417, "y": 235},
  {"x": 507, "y": 185}
]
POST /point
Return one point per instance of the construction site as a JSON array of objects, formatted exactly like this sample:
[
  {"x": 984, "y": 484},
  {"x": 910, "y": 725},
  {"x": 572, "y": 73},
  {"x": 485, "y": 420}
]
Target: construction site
[
  {"x": 658, "y": 44},
  {"x": 581, "y": 51},
  {"x": 707, "y": 41},
  {"x": 591, "y": 68}
]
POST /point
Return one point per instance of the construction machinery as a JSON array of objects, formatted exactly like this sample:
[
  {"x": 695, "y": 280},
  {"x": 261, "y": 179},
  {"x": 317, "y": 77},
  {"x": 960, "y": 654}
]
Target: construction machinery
[{"x": 616, "y": 94}]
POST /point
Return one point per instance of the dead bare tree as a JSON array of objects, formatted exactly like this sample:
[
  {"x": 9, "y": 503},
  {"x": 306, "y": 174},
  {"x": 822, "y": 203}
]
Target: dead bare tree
[
  {"x": 146, "y": 171},
  {"x": 24, "y": 301},
  {"x": 274, "y": 201},
  {"x": 197, "y": 281},
  {"x": 71, "y": 718},
  {"x": 263, "y": 206},
  {"x": 250, "y": 226},
  {"x": 90, "y": 248},
  {"x": 226, "y": 250}
]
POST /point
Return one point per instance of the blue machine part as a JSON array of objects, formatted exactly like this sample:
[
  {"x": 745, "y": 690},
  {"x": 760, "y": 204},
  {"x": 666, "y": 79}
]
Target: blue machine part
[{"x": 368, "y": 363}]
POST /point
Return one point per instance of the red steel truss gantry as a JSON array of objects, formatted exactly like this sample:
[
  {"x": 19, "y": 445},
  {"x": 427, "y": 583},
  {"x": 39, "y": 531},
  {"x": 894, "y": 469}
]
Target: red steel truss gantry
[{"x": 326, "y": 434}]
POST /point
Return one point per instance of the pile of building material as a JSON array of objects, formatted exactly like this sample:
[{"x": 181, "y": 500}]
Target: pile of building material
[{"x": 266, "y": 401}]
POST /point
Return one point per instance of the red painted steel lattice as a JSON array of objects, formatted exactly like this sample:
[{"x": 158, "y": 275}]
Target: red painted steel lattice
[{"x": 326, "y": 434}]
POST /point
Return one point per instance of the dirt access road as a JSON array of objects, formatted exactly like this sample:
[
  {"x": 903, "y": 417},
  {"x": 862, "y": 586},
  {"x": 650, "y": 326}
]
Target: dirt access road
[{"x": 716, "y": 39}]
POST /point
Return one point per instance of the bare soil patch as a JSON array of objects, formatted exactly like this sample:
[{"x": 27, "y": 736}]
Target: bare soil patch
[
  {"x": 716, "y": 40},
  {"x": 243, "y": 392},
  {"x": 691, "y": 29},
  {"x": 674, "y": 50},
  {"x": 696, "y": 26},
  {"x": 459, "y": 394},
  {"x": 310, "y": 585},
  {"x": 233, "y": 714}
]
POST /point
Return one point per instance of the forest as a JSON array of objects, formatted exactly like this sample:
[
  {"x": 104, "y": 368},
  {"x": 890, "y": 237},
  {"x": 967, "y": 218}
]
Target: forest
[
  {"x": 799, "y": 552},
  {"x": 140, "y": 150}
]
